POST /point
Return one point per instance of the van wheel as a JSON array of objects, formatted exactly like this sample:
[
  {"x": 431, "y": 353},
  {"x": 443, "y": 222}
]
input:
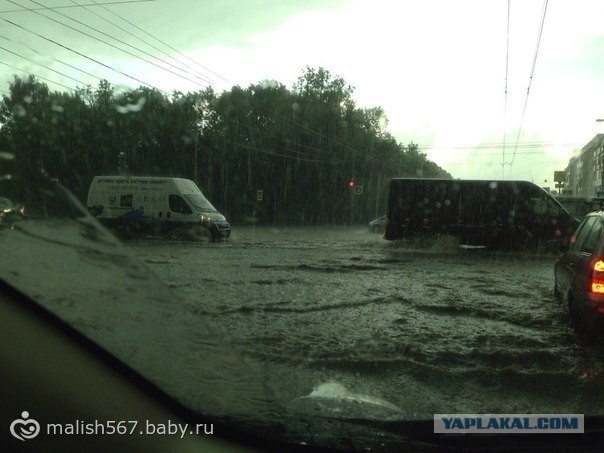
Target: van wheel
[
  {"x": 127, "y": 231},
  {"x": 215, "y": 235}
]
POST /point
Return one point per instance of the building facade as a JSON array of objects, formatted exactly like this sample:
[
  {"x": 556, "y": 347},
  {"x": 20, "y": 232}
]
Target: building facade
[{"x": 585, "y": 172}]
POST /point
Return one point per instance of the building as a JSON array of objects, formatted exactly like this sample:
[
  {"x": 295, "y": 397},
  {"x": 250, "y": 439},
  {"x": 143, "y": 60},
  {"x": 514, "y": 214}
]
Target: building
[
  {"x": 572, "y": 172},
  {"x": 585, "y": 172}
]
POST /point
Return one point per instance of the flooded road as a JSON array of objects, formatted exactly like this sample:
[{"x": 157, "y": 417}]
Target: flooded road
[{"x": 431, "y": 330}]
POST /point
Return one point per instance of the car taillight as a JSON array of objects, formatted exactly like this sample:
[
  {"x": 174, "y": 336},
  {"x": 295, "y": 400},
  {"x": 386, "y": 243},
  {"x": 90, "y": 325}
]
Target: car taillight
[{"x": 597, "y": 277}]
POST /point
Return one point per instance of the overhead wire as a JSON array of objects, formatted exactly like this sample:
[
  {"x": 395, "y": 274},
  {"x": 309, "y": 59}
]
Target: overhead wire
[
  {"x": 30, "y": 48},
  {"x": 347, "y": 146},
  {"x": 105, "y": 42},
  {"x": 38, "y": 76},
  {"x": 44, "y": 66},
  {"x": 204, "y": 79},
  {"x": 53, "y": 58},
  {"x": 201, "y": 78},
  {"x": 528, "y": 90},
  {"x": 497, "y": 145},
  {"x": 69, "y": 6},
  {"x": 83, "y": 55},
  {"x": 285, "y": 156},
  {"x": 199, "y": 75},
  {"x": 505, "y": 101},
  {"x": 164, "y": 43}
]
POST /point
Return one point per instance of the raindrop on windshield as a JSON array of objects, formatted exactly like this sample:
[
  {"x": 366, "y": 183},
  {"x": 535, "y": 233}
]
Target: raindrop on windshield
[
  {"x": 135, "y": 107},
  {"x": 19, "y": 110}
]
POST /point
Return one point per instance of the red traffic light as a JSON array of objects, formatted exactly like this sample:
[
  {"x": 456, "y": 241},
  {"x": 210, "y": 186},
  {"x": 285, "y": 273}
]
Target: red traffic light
[{"x": 351, "y": 183}]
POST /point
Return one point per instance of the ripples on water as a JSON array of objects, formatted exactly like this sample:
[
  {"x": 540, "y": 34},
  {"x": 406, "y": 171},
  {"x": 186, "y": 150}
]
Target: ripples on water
[{"x": 430, "y": 329}]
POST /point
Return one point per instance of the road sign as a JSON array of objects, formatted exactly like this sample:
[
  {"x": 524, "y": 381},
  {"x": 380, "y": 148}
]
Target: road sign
[{"x": 559, "y": 176}]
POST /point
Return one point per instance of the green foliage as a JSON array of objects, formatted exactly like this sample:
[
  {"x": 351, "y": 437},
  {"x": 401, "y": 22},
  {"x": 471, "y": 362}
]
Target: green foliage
[{"x": 299, "y": 146}]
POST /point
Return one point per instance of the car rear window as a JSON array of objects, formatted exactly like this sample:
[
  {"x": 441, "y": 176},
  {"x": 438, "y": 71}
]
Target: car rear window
[
  {"x": 582, "y": 233},
  {"x": 586, "y": 237},
  {"x": 591, "y": 240}
]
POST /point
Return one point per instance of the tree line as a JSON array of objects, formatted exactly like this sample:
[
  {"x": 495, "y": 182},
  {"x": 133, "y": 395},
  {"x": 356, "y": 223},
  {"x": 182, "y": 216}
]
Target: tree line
[{"x": 305, "y": 155}]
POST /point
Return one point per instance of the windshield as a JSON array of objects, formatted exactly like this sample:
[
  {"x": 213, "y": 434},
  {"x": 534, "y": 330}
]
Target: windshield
[
  {"x": 393, "y": 181},
  {"x": 200, "y": 203}
]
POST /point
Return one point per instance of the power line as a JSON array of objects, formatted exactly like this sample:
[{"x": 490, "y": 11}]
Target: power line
[
  {"x": 40, "y": 64},
  {"x": 497, "y": 145},
  {"x": 526, "y": 157},
  {"x": 202, "y": 77},
  {"x": 528, "y": 90},
  {"x": 105, "y": 42},
  {"x": 165, "y": 44},
  {"x": 54, "y": 59},
  {"x": 69, "y": 6},
  {"x": 334, "y": 140},
  {"x": 82, "y": 55},
  {"x": 505, "y": 101},
  {"x": 285, "y": 156},
  {"x": 121, "y": 42},
  {"x": 38, "y": 76}
]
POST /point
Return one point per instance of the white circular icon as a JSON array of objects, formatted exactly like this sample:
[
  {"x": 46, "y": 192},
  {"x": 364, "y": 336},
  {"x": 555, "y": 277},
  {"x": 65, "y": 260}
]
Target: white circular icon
[{"x": 24, "y": 429}]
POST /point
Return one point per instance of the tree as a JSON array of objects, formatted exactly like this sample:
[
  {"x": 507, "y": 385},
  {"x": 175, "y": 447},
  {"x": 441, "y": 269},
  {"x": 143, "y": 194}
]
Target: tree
[{"x": 300, "y": 146}]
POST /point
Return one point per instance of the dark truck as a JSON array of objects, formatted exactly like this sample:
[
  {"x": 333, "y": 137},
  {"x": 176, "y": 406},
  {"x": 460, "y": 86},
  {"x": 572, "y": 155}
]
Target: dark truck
[{"x": 499, "y": 215}]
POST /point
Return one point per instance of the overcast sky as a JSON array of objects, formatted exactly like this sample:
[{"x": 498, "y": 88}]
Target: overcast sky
[{"x": 437, "y": 68}]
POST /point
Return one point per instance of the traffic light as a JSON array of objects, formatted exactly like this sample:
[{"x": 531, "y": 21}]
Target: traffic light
[{"x": 351, "y": 184}]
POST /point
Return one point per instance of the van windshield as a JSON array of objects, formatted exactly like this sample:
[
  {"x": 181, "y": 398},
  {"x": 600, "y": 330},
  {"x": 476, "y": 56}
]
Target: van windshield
[{"x": 200, "y": 203}]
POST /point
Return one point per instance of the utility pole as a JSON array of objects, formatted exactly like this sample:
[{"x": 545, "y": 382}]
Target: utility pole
[
  {"x": 195, "y": 158},
  {"x": 122, "y": 164}
]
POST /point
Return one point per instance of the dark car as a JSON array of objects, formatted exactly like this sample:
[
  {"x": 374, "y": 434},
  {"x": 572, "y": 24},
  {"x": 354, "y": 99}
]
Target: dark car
[{"x": 579, "y": 275}]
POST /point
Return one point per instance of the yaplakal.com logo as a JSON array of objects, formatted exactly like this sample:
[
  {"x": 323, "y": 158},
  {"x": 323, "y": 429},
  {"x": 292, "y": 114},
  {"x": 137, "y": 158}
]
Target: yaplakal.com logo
[{"x": 24, "y": 428}]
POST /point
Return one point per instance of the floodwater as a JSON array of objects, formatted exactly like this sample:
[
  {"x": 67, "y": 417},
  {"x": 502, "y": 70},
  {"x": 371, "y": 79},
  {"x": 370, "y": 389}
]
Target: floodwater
[
  {"x": 315, "y": 321},
  {"x": 417, "y": 330}
]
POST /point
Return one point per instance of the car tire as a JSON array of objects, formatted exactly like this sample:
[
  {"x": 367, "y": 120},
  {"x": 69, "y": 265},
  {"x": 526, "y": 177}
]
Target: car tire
[
  {"x": 558, "y": 296},
  {"x": 573, "y": 316},
  {"x": 586, "y": 335}
]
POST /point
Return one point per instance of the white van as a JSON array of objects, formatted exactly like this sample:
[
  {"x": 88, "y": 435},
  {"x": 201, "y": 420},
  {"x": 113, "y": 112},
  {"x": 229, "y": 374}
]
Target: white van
[{"x": 153, "y": 205}]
